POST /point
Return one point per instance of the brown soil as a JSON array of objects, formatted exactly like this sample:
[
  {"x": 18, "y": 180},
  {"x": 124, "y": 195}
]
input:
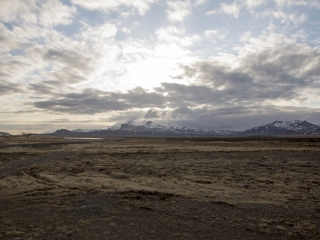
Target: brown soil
[{"x": 159, "y": 188}]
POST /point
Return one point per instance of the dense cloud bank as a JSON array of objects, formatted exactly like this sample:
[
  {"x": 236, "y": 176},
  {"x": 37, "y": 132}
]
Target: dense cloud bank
[{"x": 219, "y": 95}]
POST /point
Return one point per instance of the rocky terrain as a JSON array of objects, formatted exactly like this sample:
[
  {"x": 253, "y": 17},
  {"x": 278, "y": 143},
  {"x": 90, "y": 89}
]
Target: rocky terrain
[{"x": 159, "y": 188}]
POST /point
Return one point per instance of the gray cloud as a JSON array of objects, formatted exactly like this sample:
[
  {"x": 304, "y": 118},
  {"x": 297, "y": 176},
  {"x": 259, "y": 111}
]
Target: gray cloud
[
  {"x": 46, "y": 87},
  {"x": 75, "y": 65},
  {"x": 93, "y": 101},
  {"x": 221, "y": 96},
  {"x": 280, "y": 73},
  {"x": 11, "y": 67},
  {"x": 181, "y": 113},
  {"x": 46, "y": 13},
  {"x": 67, "y": 67},
  {"x": 9, "y": 88},
  {"x": 7, "y": 40},
  {"x": 238, "y": 118},
  {"x": 69, "y": 58},
  {"x": 11, "y": 70},
  {"x": 152, "y": 113}
]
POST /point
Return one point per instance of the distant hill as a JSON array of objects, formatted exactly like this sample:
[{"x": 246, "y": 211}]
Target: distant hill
[{"x": 153, "y": 129}]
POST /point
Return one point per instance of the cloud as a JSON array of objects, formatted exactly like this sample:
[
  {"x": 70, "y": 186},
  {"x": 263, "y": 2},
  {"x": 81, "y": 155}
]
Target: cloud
[
  {"x": 291, "y": 3},
  {"x": 214, "y": 34},
  {"x": 94, "y": 67},
  {"x": 71, "y": 59},
  {"x": 8, "y": 41},
  {"x": 246, "y": 36},
  {"x": 182, "y": 113},
  {"x": 45, "y": 13},
  {"x": 282, "y": 72},
  {"x": 88, "y": 102},
  {"x": 60, "y": 67},
  {"x": 251, "y": 4},
  {"x": 232, "y": 9},
  {"x": 92, "y": 101},
  {"x": 178, "y": 10},
  {"x": 232, "y": 117},
  {"x": 9, "y": 88},
  {"x": 242, "y": 117},
  {"x": 12, "y": 70},
  {"x": 62, "y": 61},
  {"x": 102, "y": 33},
  {"x": 46, "y": 87},
  {"x": 152, "y": 113},
  {"x": 267, "y": 77},
  {"x": 172, "y": 35},
  {"x": 285, "y": 17},
  {"x": 142, "y": 6},
  {"x": 199, "y": 2}
]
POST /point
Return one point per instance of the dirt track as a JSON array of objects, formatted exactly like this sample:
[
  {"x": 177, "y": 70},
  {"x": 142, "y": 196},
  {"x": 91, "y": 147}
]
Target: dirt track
[{"x": 160, "y": 188}]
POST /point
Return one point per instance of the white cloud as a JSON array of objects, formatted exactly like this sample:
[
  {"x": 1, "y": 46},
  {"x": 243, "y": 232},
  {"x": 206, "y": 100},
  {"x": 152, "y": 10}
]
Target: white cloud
[
  {"x": 57, "y": 61},
  {"x": 178, "y": 10},
  {"x": 212, "y": 12},
  {"x": 46, "y": 13},
  {"x": 214, "y": 34},
  {"x": 251, "y": 4},
  {"x": 14, "y": 71},
  {"x": 142, "y": 6},
  {"x": 285, "y": 17},
  {"x": 54, "y": 13},
  {"x": 126, "y": 30},
  {"x": 291, "y": 3},
  {"x": 8, "y": 40},
  {"x": 246, "y": 36},
  {"x": 199, "y": 2},
  {"x": 99, "y": 34},
  {"x": 173, "y": 35},
  {"x": 232, "y": 9}
]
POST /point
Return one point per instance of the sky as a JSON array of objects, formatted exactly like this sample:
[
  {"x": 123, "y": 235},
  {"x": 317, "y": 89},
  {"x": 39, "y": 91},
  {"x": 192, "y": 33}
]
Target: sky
[{"x": 232, "y": 64}]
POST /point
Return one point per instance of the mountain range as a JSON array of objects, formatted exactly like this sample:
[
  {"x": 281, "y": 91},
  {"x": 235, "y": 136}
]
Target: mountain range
[{"x": 153, "y": 129}]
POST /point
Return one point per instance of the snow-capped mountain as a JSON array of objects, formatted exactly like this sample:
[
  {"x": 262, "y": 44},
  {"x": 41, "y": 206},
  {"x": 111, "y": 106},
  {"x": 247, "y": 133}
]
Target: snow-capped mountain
[
  {"x": 158, "y": 129},
  {"x": 296, "y": 127}
]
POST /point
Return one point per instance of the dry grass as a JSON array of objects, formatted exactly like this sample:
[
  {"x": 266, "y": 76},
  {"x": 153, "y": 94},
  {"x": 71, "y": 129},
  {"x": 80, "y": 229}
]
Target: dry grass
[
  {"x": 250, "y": 172},
  {"x": 267, "y": 172}
]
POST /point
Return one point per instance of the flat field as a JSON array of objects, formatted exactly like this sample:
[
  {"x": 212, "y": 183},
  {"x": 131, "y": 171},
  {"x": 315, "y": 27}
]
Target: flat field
[{"x": 159, "y": 188}]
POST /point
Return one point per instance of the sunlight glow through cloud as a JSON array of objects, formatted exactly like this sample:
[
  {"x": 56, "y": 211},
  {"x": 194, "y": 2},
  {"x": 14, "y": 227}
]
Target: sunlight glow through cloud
[{"x": 97, "y": 63}]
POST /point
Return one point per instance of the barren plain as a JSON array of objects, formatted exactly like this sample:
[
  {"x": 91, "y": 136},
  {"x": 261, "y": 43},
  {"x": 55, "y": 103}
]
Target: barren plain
[{"x": 159, "y": 188}]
